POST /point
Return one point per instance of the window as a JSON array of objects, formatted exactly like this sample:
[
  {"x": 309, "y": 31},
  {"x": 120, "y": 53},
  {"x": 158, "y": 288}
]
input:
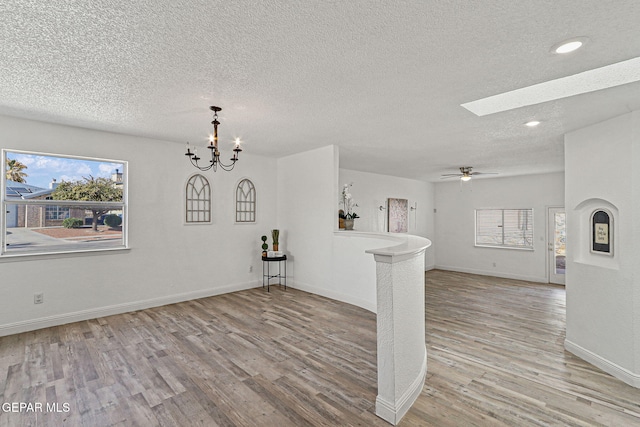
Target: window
[
  {"x": 53, "y": 212},
  {"x": 245, "y": 201},
  {"x": 505, "y": 228},
  {"x": 58, "y": 204},
  {"x": 198, "y": 200}
]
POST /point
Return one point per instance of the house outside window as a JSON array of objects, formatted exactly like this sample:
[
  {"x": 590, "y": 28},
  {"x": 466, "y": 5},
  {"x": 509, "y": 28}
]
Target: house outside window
[
  {"x": 56, "y": 213},
  {"x": 34, "y": 210}
]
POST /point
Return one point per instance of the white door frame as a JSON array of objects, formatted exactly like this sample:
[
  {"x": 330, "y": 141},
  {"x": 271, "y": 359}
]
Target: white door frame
[{"x": 554, "y": 276}]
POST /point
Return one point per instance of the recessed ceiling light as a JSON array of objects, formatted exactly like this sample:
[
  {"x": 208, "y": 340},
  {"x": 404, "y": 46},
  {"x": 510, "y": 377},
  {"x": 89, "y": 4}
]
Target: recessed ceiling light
[
  {"x": 570, "y": 45},
  {"x": 617, "y": 74},
  {"x": 532, "y": 123}
]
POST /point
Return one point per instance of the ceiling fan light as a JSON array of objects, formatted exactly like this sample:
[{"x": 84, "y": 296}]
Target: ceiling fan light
[{"x": 465, "y": 178}]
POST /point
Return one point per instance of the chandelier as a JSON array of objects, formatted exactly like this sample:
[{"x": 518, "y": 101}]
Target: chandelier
[{"x": 213, "y": 148}]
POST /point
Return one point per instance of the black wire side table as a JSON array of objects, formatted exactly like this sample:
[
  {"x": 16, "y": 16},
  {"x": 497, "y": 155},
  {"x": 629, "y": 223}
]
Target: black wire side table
[{"x": 266, "y": 271}]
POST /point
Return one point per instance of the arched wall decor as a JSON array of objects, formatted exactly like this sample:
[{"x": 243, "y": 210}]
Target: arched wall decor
[
  {"x": 198, "y": 200},
  {"x": 602, "y": 232},
  {"x": 580, "y": 234},
  {"x": 245, "y": 201}
]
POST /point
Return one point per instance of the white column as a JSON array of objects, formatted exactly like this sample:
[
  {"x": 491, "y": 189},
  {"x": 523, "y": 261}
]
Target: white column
[{"x": 402, "y": 353}]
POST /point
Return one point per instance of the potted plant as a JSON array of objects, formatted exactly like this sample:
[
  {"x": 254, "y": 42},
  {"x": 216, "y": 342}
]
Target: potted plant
[
  {"x": 275, "y": 235},
  {"x": 265, "y": 246},
  {"x": 349, "y": 219},
  {"x": 348, "y": 205}
]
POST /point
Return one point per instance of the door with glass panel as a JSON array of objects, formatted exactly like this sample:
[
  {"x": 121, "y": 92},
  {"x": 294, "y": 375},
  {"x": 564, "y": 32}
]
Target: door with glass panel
[{"x": 556, "y": 242}]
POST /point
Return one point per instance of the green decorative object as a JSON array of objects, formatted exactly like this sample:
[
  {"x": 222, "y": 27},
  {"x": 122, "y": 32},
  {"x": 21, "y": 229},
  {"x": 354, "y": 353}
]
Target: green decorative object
[
  {"x": 275, "y": 235},
  {"x": 112, "y": 220},
  {"x": 72, "y": 223},
  {"x": 265, "y": 246}
]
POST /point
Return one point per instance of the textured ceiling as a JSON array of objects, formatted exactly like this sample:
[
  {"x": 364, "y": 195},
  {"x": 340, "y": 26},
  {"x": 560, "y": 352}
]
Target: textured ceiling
[{"x": 382, "y": 80}]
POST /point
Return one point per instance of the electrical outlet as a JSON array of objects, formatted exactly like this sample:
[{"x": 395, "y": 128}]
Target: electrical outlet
[
  {"x": 251, "y": 269},
  {"x": 494, "y": 264},
  {"x": 38, "y": 298}
]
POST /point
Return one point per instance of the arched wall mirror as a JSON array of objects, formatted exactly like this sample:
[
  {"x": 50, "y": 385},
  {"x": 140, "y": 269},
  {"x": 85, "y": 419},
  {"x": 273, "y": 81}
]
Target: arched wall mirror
[
  {"x": 245, "y": 201},
  {"x": 198, "y": 200}
]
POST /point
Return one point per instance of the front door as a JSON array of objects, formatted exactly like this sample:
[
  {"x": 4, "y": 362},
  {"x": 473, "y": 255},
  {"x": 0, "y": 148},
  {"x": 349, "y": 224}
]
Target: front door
[{"x": 556, "y": 242}]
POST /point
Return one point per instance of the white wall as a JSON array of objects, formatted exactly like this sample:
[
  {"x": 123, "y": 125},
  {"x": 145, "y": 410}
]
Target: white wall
[
  {"x": 307, "y": 190},
  {"x": 370, "y": 191},
  {"x": 603, "y": 292},
  {"x": 353, "y": 270},
  {"x": 455, "y": 224},
  {"x": 168, "y": 261}
]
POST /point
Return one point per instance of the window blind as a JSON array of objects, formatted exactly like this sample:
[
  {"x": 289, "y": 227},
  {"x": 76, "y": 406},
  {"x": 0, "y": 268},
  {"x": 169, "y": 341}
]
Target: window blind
[{"x": 509, "y": 228}]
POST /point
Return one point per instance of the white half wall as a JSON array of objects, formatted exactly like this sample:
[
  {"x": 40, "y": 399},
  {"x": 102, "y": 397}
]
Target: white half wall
[
  {"x": 167, "y": 262},
  {"x": 603, "y": 292},
  {"x": 353, "y": 269},
  {"x": 371, "y": 190},
  {"x": 455, "y": 224}
]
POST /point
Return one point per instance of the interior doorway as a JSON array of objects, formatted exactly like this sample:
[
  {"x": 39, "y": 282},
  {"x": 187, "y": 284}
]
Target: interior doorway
[{"x": 556, "y": 241}]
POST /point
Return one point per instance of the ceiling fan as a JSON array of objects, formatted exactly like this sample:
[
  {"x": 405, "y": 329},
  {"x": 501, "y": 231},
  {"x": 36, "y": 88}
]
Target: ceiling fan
[{"x": 466, "y": 173}]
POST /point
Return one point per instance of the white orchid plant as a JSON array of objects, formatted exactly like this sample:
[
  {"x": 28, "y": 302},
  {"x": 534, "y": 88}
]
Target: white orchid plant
[{"x": 348, "y": 204}]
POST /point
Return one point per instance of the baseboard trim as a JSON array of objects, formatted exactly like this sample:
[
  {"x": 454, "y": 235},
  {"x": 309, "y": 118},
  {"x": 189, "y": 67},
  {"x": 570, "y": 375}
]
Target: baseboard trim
[
  {"x": 334, "y": 295},
  {"x": 94, "y": 313},
  {"x": 393, "y": 413},
  {"x": 604, "y": 364},
  {"x": 493, "y": 274}
]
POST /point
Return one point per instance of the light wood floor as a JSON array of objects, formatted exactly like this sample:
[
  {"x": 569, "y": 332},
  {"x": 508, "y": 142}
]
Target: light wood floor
[{"x": 288, "y": 358}]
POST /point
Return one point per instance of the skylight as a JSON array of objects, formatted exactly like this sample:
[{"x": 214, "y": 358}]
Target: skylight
[{"x": 588, "y": 81}]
